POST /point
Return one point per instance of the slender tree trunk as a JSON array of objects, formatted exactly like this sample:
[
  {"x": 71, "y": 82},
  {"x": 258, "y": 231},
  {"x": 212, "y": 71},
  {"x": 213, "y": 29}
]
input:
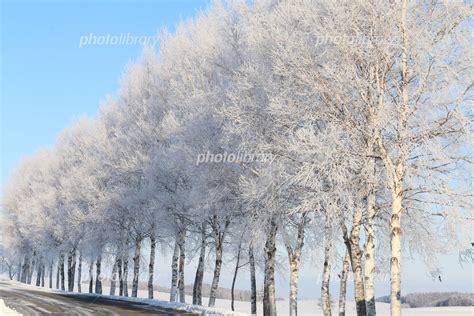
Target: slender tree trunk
[
  {"x": 151, "y": 266},
  {"x": 58, "y": 273},
  {"x": 369, "y": 266},
  {"x": 136, "y": 266},
  {"x": 182, "y": 257},
  {"x": 217, "y": 273},
  {"x": 25, "y": 269},
  {"x": 174, "y": 271},
  {"x": 38, "y": 273},
  {"x": 269, "y": 297},
  {"x": 119, "y": 268},
  {"x": 98, "y": 276},
  {"x": 71, "y": 270},
  {"x": 197, "y": 288},
  {"x": 325, "y": 295},
  {"x": 397, "y": 176},
  {"x": 113, "y": 280},
  {"x": 91, "y": 276},
  {"x": 125, "y": 276},
  {"x": 43, "y": 270},
  {"x": 343, "y": 285},
  {"x": 253, "y": 282},
  {"x": 294, "y": 276},
  {"x": 294, "y": 255},
  {"x": 79, "y": 273},
  {"x": 237, "y": 266},
  {"x": 61, "y": 272},
  {"x": 396, "y": 253},
  {"x": 51, "y": 275},
  {"x": 18, "y": 275},
  {"x": 355, "y": 255}
]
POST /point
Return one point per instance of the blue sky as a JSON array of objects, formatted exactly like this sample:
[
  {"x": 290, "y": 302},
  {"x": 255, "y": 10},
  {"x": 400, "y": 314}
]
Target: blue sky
[{"x": 47, "y": 81}]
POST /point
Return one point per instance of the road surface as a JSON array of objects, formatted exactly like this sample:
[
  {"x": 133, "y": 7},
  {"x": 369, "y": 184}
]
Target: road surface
[{"x": 30, "y": 301}]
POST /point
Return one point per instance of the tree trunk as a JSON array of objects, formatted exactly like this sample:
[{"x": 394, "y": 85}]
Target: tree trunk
[
  {"x": 61, "y": 271},
  {"x": 217, "y": 273},
  {"x": 113, "y": 280},
  {"x": 325, "y": 295},
  {"x": 79, "y": 273},
  {"x": 119, "y": 268},
  {"x": 125, "y": 276},
  {"x": 197, "y": 288},
  {"x": 25, "y": 269},
  {"x": 294, "y": 256},
  {"x": 51, "y": 275},
  {"x": 396, "y": 253},
  {"x": 18, "y": 276},
  {"x": 237, "y": 266},
  {"x": 343, "y": 285},
  {"x": 269, "y": 298},
  {"x": 151, "y": 266},
  {"x": 174, "y": 271},
  {"x": 182, "y": 257},
  {"x": 294, "y": 275},
  {"x": 355, "y": 255},
  {"x": 397, "y": 176},
  {"x": 58, "y": 268},
  {"x": 43, "y": 270},
  {"x": 98, "y": 276},
  {"x": 136, "y": 266},
  {"x": 91, "y": 276},
  {"x": 253, "y": 282},
  {"x": 38, "y": 273},
  {"x": 71, "y": 270},
  {"x": 369, "y": 266}
]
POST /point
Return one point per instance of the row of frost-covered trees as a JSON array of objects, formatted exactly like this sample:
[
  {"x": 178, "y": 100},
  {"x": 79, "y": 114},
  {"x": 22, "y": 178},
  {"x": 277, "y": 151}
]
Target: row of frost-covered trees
[{"x": 365, "y": 108}]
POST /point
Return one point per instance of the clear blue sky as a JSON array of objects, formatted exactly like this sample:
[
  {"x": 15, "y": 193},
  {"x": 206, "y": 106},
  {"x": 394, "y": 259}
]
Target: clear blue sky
[{"x": 47, "y": 81}]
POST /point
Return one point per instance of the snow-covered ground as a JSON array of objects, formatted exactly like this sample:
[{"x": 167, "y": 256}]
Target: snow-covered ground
[
  {"x": 5, "y": 311},
  {"x": 305, "y": 307}
]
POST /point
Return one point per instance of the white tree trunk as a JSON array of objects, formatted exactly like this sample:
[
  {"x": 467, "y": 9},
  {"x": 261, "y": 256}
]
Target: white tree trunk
[
  {"x": 197, "y": 288},
  {"x": 355, "y": 254},
  {"x": 61, "y": 271},
  {"x": 343, "y": 284},
  {"x": 79, "y": 273},
  {"x": 217, "y": 273},
  {"x": 151, "y": 266},
  {"x": 51, "y": 275},
  {"x": 136, "y": 266},
  {"x": 369, "y": 267},
  {"x": 396, "y": 254},
  {"x": 325, "y": 295},
  {"x": 174, "y": 271},
  {"x": 91, "y": 276},
  {"x": 98, "y": 276},
  {"x": 269, "y": 297},
  {"x": 182, "y": 258},
  {"x": 120, "y": 275},
  {"x": 113, "y": 280},
  {"x": 236, "y": 270},
  {"x": 125, "y": 276},
  {"x": 253, "y": 282}
]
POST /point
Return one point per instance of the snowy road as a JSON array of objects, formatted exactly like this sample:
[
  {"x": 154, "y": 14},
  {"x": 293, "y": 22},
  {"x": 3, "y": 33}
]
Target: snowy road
[{"x": 28, "y": 301}]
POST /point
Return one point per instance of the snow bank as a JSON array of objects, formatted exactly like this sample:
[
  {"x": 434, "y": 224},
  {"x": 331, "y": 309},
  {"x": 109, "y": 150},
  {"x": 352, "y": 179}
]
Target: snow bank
[{"x": 6, "y": 311}]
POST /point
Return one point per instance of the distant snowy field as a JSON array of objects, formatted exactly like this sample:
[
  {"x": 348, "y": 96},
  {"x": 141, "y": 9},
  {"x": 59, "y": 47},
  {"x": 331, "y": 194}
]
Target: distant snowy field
[{"x": 305, "y": 307}]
